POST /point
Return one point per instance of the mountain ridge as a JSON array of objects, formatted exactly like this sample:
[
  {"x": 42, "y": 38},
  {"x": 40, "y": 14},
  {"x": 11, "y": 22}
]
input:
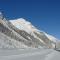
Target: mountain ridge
[{"x": 23, "y": 32}]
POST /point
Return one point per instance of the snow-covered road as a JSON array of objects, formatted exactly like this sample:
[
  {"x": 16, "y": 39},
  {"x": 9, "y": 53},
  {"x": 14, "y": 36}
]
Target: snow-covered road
[{"x": 29, "y": 54}]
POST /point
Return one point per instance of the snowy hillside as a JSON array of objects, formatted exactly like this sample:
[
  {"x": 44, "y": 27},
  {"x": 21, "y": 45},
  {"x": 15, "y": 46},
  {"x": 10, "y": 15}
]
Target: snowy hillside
[
  {"x": 24, "y": 25},
  {"x": 19, "y": 33}
]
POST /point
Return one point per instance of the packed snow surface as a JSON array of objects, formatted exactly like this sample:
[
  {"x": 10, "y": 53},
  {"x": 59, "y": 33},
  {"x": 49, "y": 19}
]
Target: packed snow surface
[{"x": 29, "y": 54}]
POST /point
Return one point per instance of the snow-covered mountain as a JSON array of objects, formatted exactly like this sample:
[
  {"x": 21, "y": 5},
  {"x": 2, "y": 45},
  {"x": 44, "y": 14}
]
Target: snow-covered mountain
[
  {"x": 22, "y": 24},
  {"x": 19, "y": 33},
  {"x": 43, "y": 37}
]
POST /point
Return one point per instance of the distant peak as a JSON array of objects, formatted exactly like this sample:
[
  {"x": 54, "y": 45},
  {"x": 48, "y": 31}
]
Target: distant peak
[
  {"x": 22, "y": 20},
  {"x": 1, "y": 15}
]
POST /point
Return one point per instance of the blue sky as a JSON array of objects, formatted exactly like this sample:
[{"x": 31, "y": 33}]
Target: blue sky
[{"x": 44, "y": 14}]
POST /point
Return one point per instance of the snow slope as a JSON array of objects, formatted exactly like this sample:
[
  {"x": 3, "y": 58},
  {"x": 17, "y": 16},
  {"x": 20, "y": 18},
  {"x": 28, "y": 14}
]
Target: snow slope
[
  {"x": 29, "y": 54},
  {"x": 7, "y": 42},
  {"x": 22, "y": 24},
  {"x": 24, "y": 32}
]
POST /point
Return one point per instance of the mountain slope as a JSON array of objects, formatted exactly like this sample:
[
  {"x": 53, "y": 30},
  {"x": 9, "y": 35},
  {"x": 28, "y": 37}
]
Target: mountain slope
[
  {"x": 11, "y": 32},
  {"x": 7, "y": 42},
  {"x": 41, "y": 36},
  {"x": 20, "y": 33}
]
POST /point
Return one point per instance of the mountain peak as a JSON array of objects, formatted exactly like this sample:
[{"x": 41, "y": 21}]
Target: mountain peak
[
  {"x": 26, "y": 33},
  {"x": 23, "y": 24},
  {"x": 22, "y": 20},
  {"x": 1, "y": 15}
]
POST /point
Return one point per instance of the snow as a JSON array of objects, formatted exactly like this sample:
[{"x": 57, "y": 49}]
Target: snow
[
  {"x": 0, "y": 13},
  {"x": 50, "y": 37},
  {"x": 25, "y": 53},
  {"x": 22, "y": 24},
  {"x": 8, "y": 43},
  {"x": 29, "y": 54},
  {"x": 25, "y": 25}
]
